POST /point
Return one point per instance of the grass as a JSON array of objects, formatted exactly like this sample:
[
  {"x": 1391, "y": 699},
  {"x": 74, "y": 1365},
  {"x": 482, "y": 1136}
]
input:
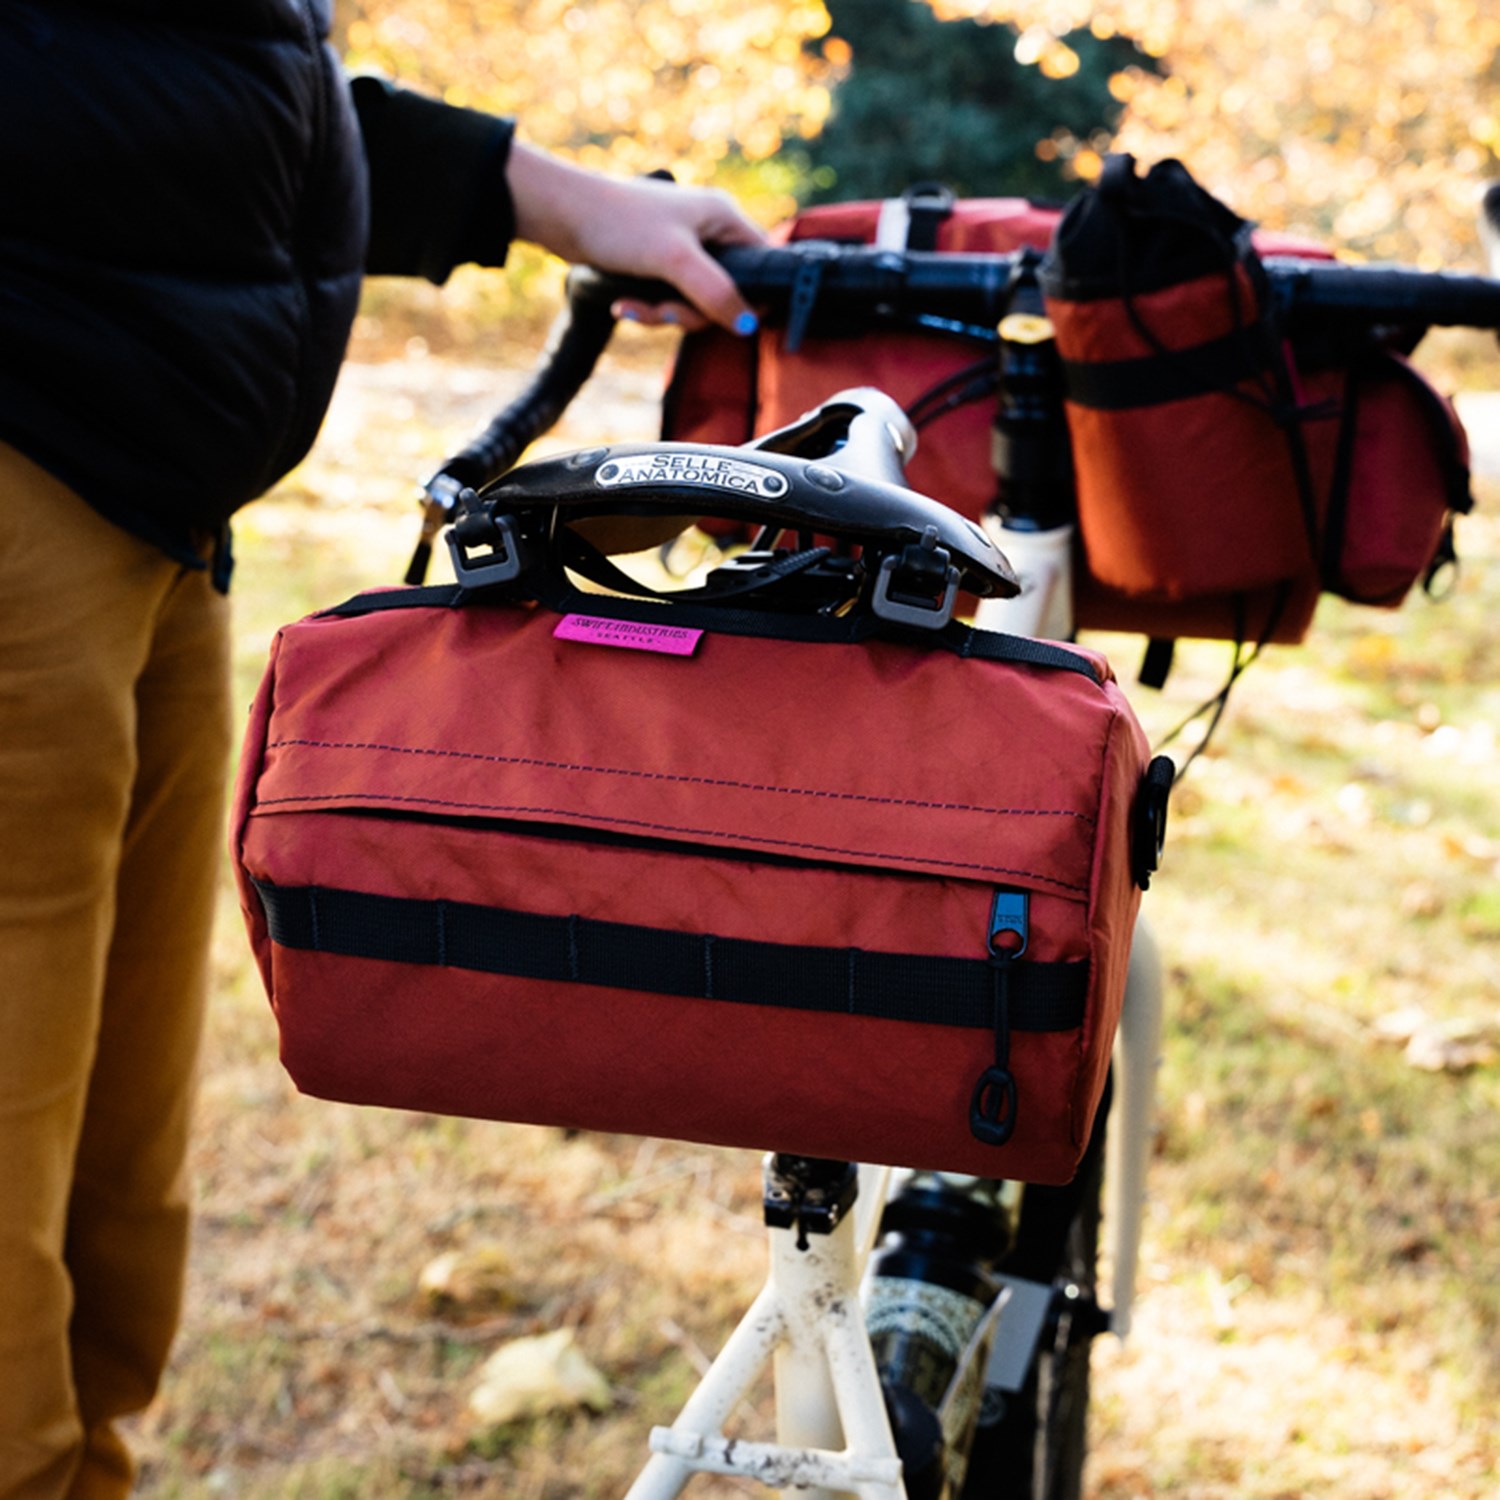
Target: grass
[{"x": 1320, "y": 1297}]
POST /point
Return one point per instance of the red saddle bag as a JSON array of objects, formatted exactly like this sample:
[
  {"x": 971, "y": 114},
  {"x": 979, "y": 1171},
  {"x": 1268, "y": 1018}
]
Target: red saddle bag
[{"x": 804, "y": 893}]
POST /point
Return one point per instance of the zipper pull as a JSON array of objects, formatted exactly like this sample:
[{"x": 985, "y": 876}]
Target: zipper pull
[
  {"x": 1009, "y": 929},
  {"x": 992, "y": 1107}
]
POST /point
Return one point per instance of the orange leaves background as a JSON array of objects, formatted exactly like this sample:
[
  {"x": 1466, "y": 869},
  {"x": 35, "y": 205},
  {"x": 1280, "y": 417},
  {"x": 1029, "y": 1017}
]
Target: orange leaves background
[{"x": 1369, "y": 124}]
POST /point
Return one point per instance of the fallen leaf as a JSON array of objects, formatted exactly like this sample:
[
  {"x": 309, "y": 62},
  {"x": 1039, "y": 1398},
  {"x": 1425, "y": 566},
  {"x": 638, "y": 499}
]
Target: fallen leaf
[
  {"x": 473, "y": 1279},
  {"x": 1437, "y": 1049},
  {"x": 531, "y": 1376}
]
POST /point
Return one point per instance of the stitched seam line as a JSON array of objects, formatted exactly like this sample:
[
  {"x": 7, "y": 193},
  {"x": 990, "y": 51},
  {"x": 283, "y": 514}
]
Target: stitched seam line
[
  {"x": 709, "y": 781},
  {"x": 705, "y": 833}
]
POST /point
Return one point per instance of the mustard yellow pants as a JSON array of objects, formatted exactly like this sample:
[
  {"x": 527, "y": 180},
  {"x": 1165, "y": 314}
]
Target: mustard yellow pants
[{"x": 114, "y": 738}]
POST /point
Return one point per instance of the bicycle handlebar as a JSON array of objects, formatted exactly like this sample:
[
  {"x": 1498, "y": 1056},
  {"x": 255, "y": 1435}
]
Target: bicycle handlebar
[
  {"x": 968, "y": 290},
  {"x": 975, "y": 287}
]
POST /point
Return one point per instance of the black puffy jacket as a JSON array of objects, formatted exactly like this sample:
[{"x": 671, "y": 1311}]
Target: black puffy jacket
[{"x": 187, "y": 197}]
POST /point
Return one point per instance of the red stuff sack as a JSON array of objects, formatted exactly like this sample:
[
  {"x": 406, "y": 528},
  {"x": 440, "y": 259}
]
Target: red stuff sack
[
  {"x": 1217, "y": 461},
  {"x": 1185, "y": 484},
  {"x": 724, "y": 875}
]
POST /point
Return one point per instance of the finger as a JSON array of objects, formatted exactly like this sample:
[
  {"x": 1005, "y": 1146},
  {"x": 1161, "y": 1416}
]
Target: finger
[
  {"x": 726, "y": 224},
  {"x": 711, "y": 289},
  {"x": 660, "y": 314}
]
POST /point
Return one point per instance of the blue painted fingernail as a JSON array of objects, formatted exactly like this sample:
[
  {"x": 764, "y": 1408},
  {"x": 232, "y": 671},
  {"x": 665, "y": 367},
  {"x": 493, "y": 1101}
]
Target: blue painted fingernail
[{"x": 746, "y": 324}]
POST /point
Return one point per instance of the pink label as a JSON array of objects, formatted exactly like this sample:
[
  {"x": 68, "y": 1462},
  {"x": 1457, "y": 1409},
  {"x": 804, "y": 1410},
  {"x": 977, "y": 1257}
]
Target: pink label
[{"x": 671, "y": 640}]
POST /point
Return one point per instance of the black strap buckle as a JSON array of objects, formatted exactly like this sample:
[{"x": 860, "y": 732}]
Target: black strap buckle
[
  {"x": 1149, "y": 818},
  {"x": 927, "y": 205}
]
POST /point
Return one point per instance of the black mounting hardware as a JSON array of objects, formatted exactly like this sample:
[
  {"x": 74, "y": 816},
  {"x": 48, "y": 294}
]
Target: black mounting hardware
[
  {"x": 1030, "y": 449},
  {"x": 919, "y": 586},
  {"x": 806, "y": 282},
  {"x": 1148, "y": 835},
  {"x": 808, "y": 1194},
  {"x": 504, "y": 557},
  {"x": 1088, "y": 1319}
]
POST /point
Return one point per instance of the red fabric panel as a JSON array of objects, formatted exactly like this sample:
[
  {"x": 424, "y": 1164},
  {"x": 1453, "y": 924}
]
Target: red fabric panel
[
  {"x": 738, "y": 746},
  {"x": 1397, "y": 502},
  {"x": 1176, "y": 317},
  {"x": 984, "y": 224},
  {"x": 1188, "y": 498},
  {"x": 1214, "y": 617}
]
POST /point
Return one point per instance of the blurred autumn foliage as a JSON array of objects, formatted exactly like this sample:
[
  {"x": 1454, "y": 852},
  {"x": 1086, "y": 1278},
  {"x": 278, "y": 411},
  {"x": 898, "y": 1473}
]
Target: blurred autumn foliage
[
  {"x": 1369, "y": 124},
  {"x": 703, "y": 87}
]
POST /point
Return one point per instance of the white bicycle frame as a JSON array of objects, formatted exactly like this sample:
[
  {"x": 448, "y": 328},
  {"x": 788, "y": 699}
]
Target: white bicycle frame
[{"x": 833, "y": 1436}]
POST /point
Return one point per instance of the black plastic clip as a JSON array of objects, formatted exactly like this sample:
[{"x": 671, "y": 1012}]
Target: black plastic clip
[
  {"x": 502, "y": 561},
  {"x": 808, "y": 1194},
  {"x": 1149, "y": 833},
  {"x": 919, "y": 587},
  {"x": 992, "y": 1110}
]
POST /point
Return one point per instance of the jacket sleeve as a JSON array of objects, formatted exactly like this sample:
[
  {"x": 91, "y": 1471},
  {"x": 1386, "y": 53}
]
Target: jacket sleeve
[{"x": 438, "y": 192}]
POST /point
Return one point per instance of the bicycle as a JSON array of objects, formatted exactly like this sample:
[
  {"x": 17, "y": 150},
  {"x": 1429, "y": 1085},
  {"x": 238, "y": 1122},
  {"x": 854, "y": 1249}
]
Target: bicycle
[{"x": 1029, "y": 1346}]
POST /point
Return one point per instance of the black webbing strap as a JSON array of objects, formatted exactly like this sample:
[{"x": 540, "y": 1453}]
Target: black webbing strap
[
  {"x": 1154, "y": 380},
  {"x": 1020, "y": 650},
  {"x": 495, "y": 940},
  {"x": 928, "y": 206},
  {"x": 580, "y": 556},
  {"x": 961, "y": 640},
  {"x": 433, "y": 596},
  {"x": 1156, "y": 664}
]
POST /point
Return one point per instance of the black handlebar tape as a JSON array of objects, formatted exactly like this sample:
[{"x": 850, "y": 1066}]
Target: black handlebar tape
[
  {"x": 973, "y": 287},
  {"x": 578, "y": 338},
  {"x": 1385, "y": 294}
]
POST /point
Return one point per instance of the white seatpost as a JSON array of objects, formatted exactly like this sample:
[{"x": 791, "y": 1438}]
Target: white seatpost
[
  {"x": 834, "y": 1437},
  {"x": 1043, "y": 561},
  {"x": 1132, "y": 1120}
]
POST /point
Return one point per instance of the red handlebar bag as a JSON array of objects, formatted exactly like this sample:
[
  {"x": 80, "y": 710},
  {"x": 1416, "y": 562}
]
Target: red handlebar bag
[
  {"x": 728, "y": 390},
  {"x": 725, "y": 389},
  {"x": 1224, "y": 477},
  {"x": 849, "y": 898}
]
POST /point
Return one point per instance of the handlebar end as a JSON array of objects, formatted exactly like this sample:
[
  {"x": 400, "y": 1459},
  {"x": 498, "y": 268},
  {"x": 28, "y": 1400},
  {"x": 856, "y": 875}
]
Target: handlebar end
[{"x": 1489, "y": 226}]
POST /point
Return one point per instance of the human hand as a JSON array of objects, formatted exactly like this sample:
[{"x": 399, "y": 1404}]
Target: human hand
[{"x": 639, "y": 227}]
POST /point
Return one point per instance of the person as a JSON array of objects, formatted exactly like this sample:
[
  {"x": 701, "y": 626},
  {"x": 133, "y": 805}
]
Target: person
[{"x": 192, "y": 196}]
